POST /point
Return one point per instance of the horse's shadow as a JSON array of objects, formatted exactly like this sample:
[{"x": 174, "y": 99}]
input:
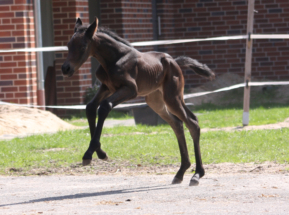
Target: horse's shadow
[{"x": 86, "y": 195}]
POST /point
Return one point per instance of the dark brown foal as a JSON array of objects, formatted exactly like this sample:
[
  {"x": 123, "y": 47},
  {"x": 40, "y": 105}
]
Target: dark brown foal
[{"x": 126, "y": 73}]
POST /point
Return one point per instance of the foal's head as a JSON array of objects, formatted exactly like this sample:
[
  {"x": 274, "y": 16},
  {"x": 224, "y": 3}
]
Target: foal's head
[{"x": 79, "y": 48}]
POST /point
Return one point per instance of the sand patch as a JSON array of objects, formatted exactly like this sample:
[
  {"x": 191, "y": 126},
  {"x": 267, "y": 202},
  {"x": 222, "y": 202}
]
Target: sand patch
[{"x": 23, "y": 120}]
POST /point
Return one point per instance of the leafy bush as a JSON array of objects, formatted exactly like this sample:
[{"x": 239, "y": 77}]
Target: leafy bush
[{"x": 90, "y": 93}]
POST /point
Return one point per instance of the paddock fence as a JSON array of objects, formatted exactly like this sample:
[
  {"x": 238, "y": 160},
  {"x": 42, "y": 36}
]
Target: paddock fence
[{"x": 247, "y": 82}]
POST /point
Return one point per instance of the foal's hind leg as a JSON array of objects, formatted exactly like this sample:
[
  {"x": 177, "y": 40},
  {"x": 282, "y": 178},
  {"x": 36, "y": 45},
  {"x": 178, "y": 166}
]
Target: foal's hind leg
[
  {"x": 178, "y": 108},
  {"x": 156, "y": 102},
  {"x": 195, "y": 132},
  {"x": 173, "y": 97}
]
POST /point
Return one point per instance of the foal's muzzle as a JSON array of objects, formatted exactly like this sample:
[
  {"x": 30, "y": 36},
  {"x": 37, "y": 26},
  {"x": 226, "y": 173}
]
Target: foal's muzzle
[{"x": 67, "y": 70}]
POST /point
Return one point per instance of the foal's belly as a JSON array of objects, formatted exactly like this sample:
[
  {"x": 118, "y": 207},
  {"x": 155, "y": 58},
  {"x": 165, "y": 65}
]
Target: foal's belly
[
  {"x": 150, "y": 74},
  {"x": 149, "y": 80}
]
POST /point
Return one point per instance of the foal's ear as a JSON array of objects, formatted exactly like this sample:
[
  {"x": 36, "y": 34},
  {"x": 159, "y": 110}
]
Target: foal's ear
[
  {"x": 77, "y": 24},
  {"x": 92, "y": 29}
]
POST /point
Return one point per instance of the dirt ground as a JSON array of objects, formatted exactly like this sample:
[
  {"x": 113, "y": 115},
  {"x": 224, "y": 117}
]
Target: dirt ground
[
  {"x": 100, "y": 167},
  {"x": 242, "y": 193}
]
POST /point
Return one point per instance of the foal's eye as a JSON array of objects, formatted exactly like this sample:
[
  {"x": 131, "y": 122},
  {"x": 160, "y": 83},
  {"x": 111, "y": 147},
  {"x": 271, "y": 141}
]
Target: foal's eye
[{"x": 82, "y": 49}]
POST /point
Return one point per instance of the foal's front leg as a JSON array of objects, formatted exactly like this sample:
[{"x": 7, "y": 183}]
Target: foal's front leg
[
  {"x": 121, "y": 95},
  {"x": 92, "y": 106}
]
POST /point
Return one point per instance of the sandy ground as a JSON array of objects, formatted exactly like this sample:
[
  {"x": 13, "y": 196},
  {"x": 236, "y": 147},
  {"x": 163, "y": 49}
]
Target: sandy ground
[
  {"x": 16, "y": 120},
  {"x": 108, "y": 123}
]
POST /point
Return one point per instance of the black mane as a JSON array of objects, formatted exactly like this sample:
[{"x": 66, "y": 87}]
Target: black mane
[
  {"x": 113, "y": 35},
  {"x": 105, "y": 31}
]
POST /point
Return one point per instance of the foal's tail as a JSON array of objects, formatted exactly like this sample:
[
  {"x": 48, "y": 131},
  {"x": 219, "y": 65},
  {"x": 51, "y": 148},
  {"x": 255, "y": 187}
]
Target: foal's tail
[{"x": 199, "y": 68}]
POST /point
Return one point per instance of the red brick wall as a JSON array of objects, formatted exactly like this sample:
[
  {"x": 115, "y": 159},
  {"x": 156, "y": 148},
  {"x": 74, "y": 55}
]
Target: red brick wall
[
  {"x": 65, "y": 12},
  {"x": 17, "y": 70},
  {"x": 183, "y": 19},
  {"x": 213, "y": 18},
  {"x": 169, "y": 15},
  {"x": 137, "y": 21},
  {"x": 131, "y": 20},
  {"x": 111, "y": 15}
]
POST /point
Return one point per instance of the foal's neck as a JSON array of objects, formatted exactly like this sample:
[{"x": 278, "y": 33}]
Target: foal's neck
[{"x": 107, "y": 50}]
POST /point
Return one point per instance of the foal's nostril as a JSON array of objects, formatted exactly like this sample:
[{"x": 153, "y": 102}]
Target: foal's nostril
[{"x": 65, "y": 68}]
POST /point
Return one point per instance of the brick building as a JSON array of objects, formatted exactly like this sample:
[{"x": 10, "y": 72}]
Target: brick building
[{"x": 140, "y": 20}]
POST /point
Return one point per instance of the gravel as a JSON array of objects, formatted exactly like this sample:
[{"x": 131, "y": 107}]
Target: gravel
[{"x": 145, "y": 194}]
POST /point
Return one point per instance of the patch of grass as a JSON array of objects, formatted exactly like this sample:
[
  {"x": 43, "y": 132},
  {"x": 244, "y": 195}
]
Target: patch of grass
[
  {"x": 29, "y": 152},
  {"x": 246, "y": 146},
  {"x": 154, "y": 148},
  {"x": 217, "y": 147},
  {"x": 213, "y": 116}
]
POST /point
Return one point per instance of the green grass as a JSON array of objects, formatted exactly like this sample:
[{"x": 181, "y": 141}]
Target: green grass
[
  {"x": 212, "y": 116},
  {"x": 265, "y": 108},
  {"x": 217, "y": 147},
  {"x": 246, "y": 146},
  {"x": 159, "y": 146},
  {"x": 154, "y": 148}
]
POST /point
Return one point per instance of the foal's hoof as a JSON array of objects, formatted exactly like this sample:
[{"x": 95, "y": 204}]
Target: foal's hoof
[
  {"x": 86, "y": 162},
  {"x": 195, "y": 180},
  {"x": 101, "y": 155},
  {"x": 105, "y": 159},
  {"x": 176, "y": 181}
]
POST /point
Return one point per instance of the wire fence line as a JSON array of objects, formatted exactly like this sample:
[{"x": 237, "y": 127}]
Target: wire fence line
[
  {"x": 187, "y": 96},
  {"x": 160, "y": 42}
]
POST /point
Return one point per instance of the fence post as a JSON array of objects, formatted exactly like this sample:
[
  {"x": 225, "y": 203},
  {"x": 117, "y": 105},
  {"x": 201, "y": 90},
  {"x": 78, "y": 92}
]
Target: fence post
[
  {"x": 40, "y": 72},
  {"x": 248, "y": 62}
]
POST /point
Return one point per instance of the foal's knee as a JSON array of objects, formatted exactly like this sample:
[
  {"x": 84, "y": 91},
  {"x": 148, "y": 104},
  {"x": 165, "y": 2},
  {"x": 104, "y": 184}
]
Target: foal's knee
[
  {"x": 104, "y": 109},
  {"x": 196, "y": 126},
  {"x": 193, "y": 125}
]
